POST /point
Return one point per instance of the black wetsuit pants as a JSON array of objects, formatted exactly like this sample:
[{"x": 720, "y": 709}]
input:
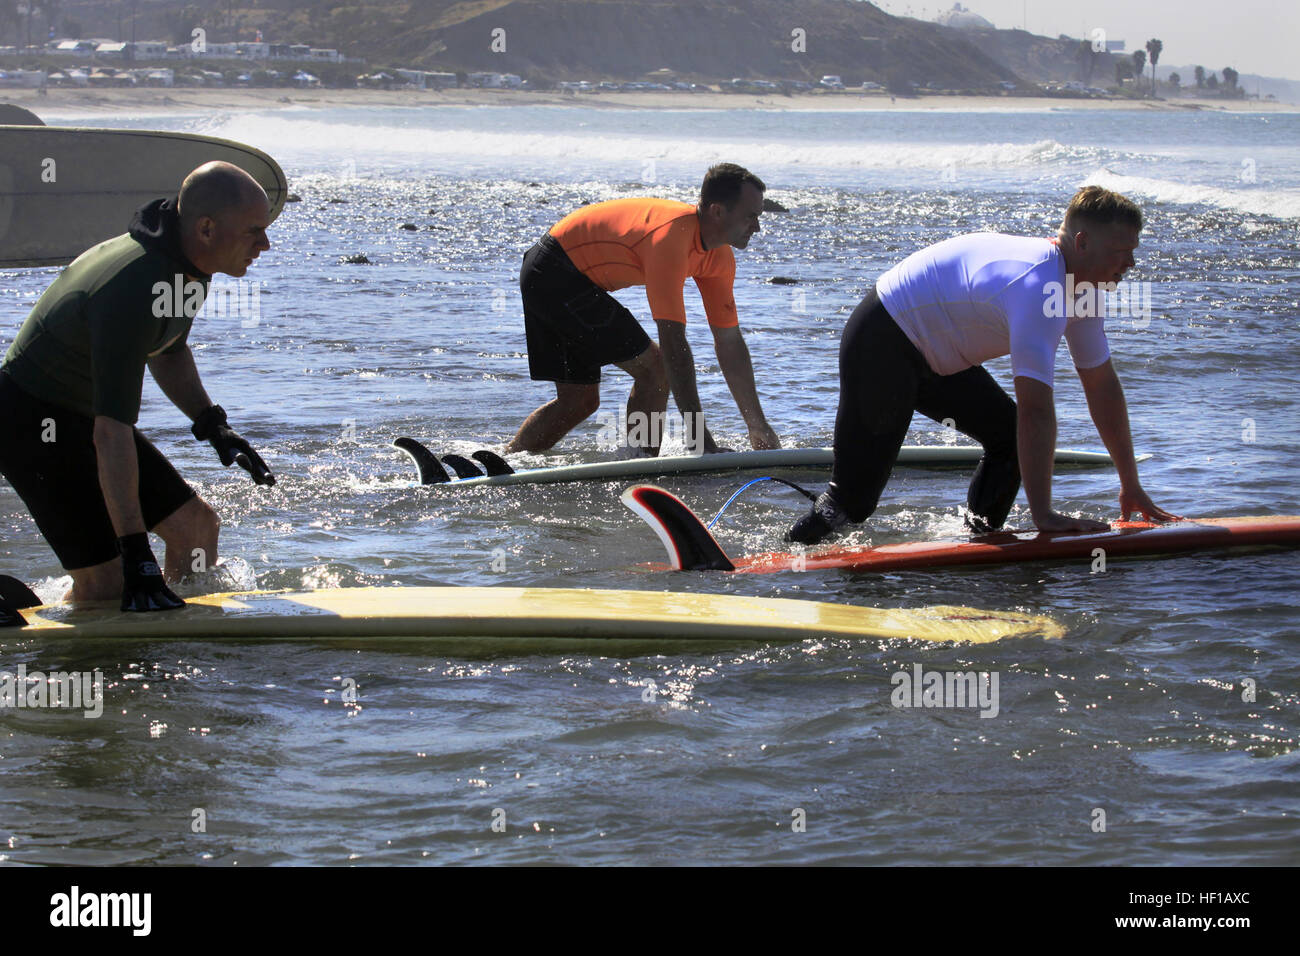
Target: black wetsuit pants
[{"x": 883, "y": 380}]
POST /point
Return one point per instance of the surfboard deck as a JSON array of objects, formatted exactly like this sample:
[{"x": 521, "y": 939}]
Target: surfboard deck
[
  {"x": 690, "y": 546},
  {"x": 64, "y": 189},
  {"x": 920, "y": 456},
  {"x": 476, "y": 617}
]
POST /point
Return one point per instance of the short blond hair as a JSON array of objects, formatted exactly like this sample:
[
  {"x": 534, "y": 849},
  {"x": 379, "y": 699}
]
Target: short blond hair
[{"x": 1095, "y": 206}]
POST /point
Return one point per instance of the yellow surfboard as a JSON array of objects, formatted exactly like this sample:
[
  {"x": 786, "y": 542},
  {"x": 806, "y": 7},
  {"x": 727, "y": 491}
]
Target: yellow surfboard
[{"x": 481, "y": 615}]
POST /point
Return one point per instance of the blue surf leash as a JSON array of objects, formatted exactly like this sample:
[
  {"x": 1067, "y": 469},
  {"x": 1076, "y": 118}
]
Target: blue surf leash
[{"x": 803, "y": 491}]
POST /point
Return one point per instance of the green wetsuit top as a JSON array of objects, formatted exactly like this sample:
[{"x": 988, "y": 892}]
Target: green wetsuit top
[{"x": 86, "y": 343}]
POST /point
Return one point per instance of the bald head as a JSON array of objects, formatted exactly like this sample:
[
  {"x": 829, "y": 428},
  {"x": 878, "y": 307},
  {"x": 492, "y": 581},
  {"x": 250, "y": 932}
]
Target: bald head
[
  {"x": 215, "y": 189},
  {"x": 224, "y": 214}
]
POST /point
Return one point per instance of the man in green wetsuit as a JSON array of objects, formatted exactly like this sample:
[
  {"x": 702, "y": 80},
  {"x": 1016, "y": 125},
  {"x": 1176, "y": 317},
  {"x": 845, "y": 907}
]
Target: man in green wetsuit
[{"x": 71, "y": 381}]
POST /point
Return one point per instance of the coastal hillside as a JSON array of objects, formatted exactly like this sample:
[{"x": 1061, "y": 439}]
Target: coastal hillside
[
  {"x": 704, "y": 39},
  {"x": 555, "y": 40}
]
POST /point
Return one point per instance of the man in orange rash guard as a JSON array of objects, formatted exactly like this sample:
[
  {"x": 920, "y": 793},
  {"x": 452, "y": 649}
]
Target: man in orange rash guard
[{"x": 574, "y": 326}]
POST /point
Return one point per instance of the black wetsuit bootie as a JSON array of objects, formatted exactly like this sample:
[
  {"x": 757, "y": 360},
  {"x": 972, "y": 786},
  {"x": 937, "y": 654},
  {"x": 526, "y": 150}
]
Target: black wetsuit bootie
[
  {"x": 993, "y": 491},
  {"x": 824, "y": 518}
]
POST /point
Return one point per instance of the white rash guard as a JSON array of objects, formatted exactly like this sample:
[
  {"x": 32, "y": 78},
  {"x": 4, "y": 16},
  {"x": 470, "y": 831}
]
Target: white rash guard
[{"x": 976, "y": 297}]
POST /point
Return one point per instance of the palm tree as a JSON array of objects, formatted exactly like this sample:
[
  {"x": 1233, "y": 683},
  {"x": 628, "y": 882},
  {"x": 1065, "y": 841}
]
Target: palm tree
[
  {"x": 1139, "y": 64},
  {"x": 1200, "y": 77},
  {"x": 1153, "y": 54}
]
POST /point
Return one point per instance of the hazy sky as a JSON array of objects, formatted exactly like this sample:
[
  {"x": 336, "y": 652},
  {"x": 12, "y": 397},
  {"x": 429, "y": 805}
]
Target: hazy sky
[{"x": 1251, "y": 36}]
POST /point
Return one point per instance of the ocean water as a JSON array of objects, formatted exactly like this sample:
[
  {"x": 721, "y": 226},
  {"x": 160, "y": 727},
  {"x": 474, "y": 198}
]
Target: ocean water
[{"x": 1142, "y": 711}]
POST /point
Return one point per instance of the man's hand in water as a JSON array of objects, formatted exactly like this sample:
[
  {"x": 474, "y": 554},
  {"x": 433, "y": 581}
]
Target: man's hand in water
[
  {"x": 1135, "y": 501},
  {"x": 763, "y": 438}
]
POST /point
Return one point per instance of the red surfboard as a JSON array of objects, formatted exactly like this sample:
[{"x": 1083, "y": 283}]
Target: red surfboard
[{"x": 691, "y": 547}]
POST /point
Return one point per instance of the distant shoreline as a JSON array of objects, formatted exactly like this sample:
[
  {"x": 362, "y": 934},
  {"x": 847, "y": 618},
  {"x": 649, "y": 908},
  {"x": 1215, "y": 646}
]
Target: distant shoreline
[{"x": 188, "y": 99}]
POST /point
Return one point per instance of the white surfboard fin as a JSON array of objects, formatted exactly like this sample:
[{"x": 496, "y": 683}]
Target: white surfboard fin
[{"x": 689, "y": 544}]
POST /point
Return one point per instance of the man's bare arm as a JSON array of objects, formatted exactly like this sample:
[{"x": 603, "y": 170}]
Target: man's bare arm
[
  {"x": 738, "y": 369},
  {"x": 1036, "y": 444},
  {"x": 143, "y": 587},
  {"x": 119, "y": 474},
  {"x": 178, "y": 377},
  {"x": 679, "y": 362},
  {"x": 1109, "y": 412}
]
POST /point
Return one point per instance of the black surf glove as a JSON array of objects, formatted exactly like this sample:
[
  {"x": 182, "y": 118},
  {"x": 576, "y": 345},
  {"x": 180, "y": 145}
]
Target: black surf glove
[
  {"x": 211, "y": 427},
  {"x": 143, "y": 587}
]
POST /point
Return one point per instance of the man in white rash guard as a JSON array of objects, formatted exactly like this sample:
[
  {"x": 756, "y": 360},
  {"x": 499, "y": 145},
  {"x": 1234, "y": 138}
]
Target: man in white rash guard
[{"x": 917, "y": 341}]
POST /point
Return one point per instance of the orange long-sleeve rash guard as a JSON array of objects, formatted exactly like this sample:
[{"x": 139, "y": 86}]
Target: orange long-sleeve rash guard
[{"x": 655, "y": 243}]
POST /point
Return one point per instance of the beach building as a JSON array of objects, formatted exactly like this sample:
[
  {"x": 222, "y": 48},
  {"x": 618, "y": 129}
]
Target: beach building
[
  {"x": 961, "y": 18},
  {"x": 490, "y": 81},
  {"x": 76, "y": 47},
  {"x": 148, "y": 49},
  {"x": 26, "y": 79}
]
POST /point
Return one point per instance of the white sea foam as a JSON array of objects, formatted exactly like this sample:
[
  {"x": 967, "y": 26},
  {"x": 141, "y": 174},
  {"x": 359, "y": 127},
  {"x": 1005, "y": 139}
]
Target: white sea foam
[
  {"x": 650, "y": 148},
  {"x": 1283, "y": 203},
  {"x": 387, "y": 145}
]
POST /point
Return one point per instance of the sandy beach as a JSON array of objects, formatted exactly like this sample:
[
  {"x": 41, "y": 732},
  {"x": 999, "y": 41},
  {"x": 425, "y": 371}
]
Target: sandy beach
[{"x": 110, "y": 101}]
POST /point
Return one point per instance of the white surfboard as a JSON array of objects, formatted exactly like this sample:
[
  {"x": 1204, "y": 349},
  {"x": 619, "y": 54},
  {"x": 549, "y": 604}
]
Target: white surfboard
[
  {"x": 531, "y": 618},
  {"x": 920, "y": 456},
  {"x": 64, "y": 189}
]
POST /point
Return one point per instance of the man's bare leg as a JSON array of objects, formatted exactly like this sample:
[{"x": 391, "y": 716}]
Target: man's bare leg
[
  {"x": 573, "y": 404},
  {"x": 648, "y": 400},
  {"x": 190, "y": 533},
  {"x": 99, "y": 582},
  {"x": 190, "y": 529}
]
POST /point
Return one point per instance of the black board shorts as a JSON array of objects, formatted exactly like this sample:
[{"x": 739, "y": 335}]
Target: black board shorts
[
  {"x": 59, "y": 480},
  {"x": 574, "y": 327}
]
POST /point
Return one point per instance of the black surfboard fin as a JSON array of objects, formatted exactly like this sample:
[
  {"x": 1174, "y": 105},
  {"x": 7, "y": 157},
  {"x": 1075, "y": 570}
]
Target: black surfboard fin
[
  {"x": 9, "y": 616},
  {"x": 426, "y": 462},
  {"x": 690, "y": 545},
  {"x": 462, "y": 466},
  {"x": 17, "y": 594},
  {"x": 494, "y": 463},
  {"x": 14, "y": 595}
]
